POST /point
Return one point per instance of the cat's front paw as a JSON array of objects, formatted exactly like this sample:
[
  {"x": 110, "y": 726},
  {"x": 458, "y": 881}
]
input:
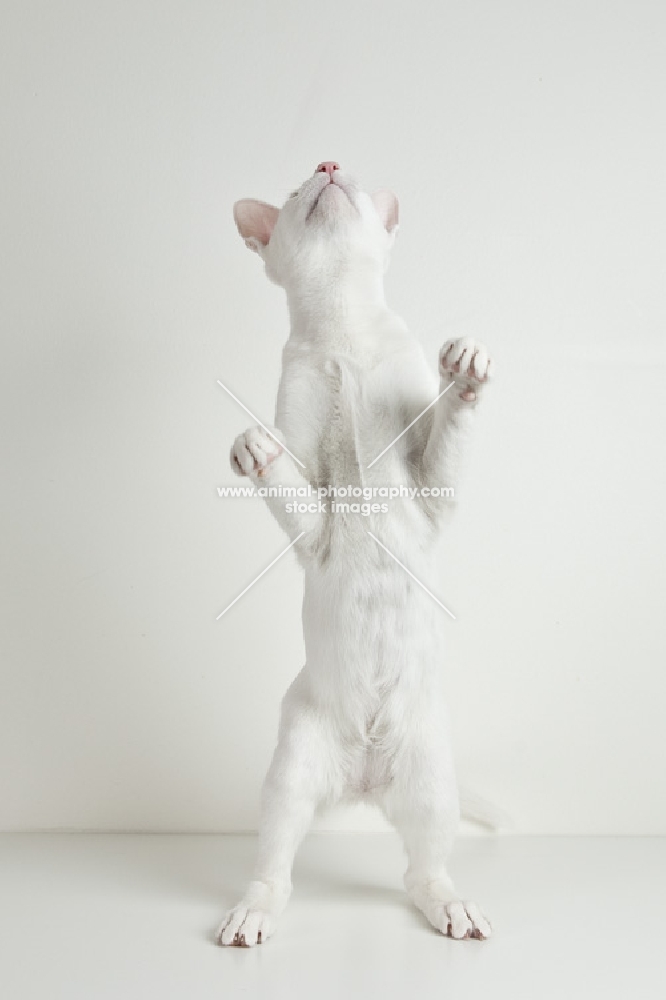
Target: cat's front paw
[
  {"x": 254, "y": 451},
  {"x": 466, "y": 361}
]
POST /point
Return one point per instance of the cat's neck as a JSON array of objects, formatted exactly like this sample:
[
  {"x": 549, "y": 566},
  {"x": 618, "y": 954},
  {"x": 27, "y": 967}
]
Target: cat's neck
[{"x": 340, "y": 313}]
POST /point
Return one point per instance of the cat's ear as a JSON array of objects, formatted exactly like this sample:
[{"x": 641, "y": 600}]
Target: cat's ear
[
  {"x": 386, "y": 205},
  {"x": 255, "y": 221}
]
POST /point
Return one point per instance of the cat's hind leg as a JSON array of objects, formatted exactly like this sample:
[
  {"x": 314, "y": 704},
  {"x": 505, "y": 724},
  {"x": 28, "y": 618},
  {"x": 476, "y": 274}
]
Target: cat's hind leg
[
  {"x": 301, "y": 776},
  {"x": 422, "y": 804}
]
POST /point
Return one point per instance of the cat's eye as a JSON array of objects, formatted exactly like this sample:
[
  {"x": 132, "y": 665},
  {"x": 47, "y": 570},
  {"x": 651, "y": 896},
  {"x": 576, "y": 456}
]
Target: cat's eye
[{"x": 293, "y": 194}]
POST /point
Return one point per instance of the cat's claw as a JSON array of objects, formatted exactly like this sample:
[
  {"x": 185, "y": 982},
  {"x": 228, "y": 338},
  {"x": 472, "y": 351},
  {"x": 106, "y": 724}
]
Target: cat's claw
[
  {"x": 462, "y": 921},
  {"x": 466, "y": 361},
  {"x": 254, "y": 451},
  {"x": 253, "y": 920},
  {"x": 244, "y": 927}
]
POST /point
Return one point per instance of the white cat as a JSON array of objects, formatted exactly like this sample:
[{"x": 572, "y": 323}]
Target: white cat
[{"x": 365, "y": 716}]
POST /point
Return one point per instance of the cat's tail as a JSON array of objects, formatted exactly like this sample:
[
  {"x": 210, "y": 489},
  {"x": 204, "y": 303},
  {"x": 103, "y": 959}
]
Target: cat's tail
[{"x": 476, "y": 809}]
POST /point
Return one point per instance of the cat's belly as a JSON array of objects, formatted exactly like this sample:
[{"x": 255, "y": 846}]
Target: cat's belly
[
  {"x": 374, "y": 651},
  {"x": 370, "y": 630}
]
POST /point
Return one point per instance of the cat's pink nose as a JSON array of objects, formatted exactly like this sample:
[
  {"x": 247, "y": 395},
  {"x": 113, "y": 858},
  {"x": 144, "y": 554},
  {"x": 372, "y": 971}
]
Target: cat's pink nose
[{"x": 327, "y": 167}]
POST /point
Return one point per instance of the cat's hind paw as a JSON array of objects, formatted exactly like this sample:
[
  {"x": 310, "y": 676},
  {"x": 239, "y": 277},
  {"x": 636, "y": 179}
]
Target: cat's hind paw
[
  {"x": 461, "y": 921},
  {"x": 253, "y": 920},
  {"x": 244, "y": 927}
]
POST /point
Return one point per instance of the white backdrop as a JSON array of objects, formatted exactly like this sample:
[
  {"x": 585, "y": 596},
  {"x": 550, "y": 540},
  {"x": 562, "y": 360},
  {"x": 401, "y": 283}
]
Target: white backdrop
[{"x": 527, "y": 143}]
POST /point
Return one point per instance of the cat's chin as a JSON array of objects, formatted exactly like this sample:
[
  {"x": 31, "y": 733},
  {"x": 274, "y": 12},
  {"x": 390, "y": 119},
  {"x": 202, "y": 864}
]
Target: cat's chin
[
  {"x": 322, "y": 199},
  {"x": 334, "y": 201}
]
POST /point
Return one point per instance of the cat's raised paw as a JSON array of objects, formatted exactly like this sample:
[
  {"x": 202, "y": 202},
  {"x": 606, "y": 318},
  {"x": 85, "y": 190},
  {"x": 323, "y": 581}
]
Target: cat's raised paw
[
  {"x": 465, "y": 361},
  {"x": 254, "y": 451}
]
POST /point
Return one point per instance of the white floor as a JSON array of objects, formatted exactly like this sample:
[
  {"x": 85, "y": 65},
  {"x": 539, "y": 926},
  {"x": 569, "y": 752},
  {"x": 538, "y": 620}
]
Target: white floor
[{"x": 119, "y": 916}]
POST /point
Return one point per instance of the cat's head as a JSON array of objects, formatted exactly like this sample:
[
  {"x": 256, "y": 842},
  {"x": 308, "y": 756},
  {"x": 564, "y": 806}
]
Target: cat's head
[{"x": 326, "y": 229}]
